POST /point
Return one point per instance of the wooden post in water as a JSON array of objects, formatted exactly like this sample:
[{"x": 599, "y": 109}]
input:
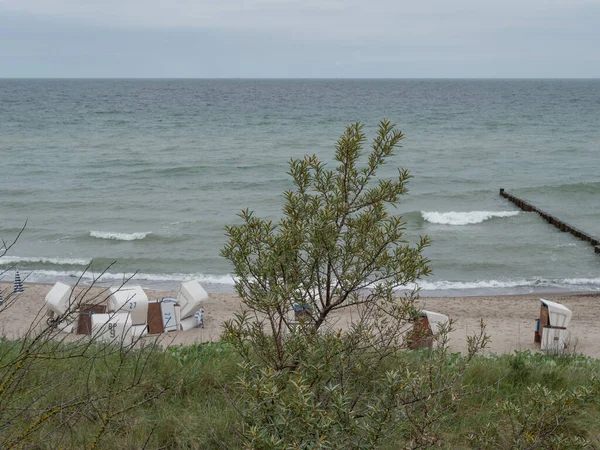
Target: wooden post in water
[{"x": 561, "y": 225}]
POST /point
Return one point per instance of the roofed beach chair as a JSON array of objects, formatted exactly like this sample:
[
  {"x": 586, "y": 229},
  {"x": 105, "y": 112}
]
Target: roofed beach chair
[
  {"x": 427, "y": 326},
  {"x": 58, "y": 302},
  {"x": 113, "y": 328},
  {"x": 57, "y": 299},
  {"x": 130, "y": 299},
  {"x": 169, "y": 318},
  {"x": 190, "y": 298},
  {"x": 551, "y": 329}
]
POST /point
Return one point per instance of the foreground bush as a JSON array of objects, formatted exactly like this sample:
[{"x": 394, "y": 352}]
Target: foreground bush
[
  {"x": 198, "y": 413},
  {"x": 308, "y": 383}
]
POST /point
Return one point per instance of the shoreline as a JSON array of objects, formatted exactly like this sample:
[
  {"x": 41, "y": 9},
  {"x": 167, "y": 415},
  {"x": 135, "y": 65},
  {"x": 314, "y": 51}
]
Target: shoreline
[
  {"x": 510, "y": 319},
  {"x": 212, "y": 288}
]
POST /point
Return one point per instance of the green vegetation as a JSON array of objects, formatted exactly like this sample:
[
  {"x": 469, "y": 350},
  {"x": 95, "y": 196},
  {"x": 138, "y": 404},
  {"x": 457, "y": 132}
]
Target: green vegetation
[{"x": 197, "y": 413}]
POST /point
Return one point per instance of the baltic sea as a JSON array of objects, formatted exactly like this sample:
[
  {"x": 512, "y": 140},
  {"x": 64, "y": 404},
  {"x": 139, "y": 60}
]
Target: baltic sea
[{"x": 148, "y": 172}]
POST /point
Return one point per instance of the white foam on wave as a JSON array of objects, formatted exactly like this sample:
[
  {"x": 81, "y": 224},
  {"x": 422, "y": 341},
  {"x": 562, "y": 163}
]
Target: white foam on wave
[
  {"x": 443, "y": 285},
  {"x": 8, "y": 260},
  {"x": 580, "y": 281},
  {"x": 45, "y": 275},
  {"x": 179, "y": 223},
  {"x": 463, "y": 218},
  {"x": 591, "y": 284},
  {"x": 119, "y": 236}
]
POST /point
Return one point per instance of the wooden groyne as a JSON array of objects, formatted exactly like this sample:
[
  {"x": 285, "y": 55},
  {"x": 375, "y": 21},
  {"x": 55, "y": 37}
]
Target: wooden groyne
[{"x": 560, "y": 224}]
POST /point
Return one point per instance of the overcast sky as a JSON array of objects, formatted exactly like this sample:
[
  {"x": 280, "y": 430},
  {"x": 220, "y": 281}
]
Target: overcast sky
[{"x": 300, "y": 38}]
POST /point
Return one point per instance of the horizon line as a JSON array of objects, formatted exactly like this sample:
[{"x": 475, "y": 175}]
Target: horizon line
[{"x": 299, "y": 78}]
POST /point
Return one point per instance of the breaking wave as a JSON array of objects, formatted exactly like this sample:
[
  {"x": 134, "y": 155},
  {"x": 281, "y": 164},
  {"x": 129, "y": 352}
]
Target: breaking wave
[
  {"x": 443, "y": 285},
  {"x": 229, "y": 280},
  {"x": 9, "y": 260},
  {"x": 50, "y": 275},
  {"x": 463, "y": 218},
  {"x": 119, "y": 236}
]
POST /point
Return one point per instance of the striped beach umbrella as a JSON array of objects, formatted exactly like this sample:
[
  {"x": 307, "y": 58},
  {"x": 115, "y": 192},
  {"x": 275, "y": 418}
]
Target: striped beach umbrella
[{"x": 18, "y": 284}]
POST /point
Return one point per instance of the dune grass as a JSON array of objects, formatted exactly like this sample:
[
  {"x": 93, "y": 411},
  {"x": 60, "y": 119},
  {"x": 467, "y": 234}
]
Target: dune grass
[{"x": 198, "y": 410}]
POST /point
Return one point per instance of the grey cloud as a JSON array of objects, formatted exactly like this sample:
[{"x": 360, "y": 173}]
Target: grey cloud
[
  {"x": 275, "y": 38},
  {"x": 245, "y": 14}
]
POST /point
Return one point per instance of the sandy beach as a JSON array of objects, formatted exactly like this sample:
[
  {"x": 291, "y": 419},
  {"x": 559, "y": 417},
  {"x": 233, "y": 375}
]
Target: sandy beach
[{"x": 510, "y": 320}]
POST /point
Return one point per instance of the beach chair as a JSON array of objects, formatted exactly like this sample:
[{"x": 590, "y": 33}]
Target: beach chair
[
  {"x": 169, "y": 318},
  {"x": 195, "y": 321},
  {"x": 155, "y": 317},
  {"x": 551, "y": 327},
  {"x": 188, "y": 323},
  {"x": 138, "y": 332},
  {"x": 115, "y": 328},
  {"x": 57, "y": 302},
  {"x": 190, "y": 298},
  {"x": 57, "y": 299},
  {"x": 86, "y": 311},
  {"x": 425, "y": 329},
  {"x": 299, "y": 315},
  {"x": 302, "y": 312},
  {"x": 130, "y": 299}
]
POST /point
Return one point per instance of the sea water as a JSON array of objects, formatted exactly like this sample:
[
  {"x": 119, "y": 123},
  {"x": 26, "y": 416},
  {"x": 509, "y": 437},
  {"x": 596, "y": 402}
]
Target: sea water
[{"x": 139, "y": 177}]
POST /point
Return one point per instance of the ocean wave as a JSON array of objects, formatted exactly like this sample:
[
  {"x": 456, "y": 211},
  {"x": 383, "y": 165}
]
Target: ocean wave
[
  {"x": 119, "y": 236},
  {"x": 179, "y": 224},
  {"x": 589, "y": 187},
  {"x": 202, "y": 278},
  {"x": 463, "y": 218},
  {"x": 45, "y": 275},
  {"x": 580, "y": 281},
  {"x": 585, "y": 284},
  {"x": 444, "y": 285},
  {"x": 8, "y": 260}
]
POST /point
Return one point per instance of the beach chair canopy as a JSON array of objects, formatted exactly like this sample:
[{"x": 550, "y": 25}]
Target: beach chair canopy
[
  {"x": 435, "y": 319},
  {"x": 190, "y": 298},
  {"x": 57, "y": 299},
  {"x": 560, "y": 315},
  {"x": 131, "y": 299}
]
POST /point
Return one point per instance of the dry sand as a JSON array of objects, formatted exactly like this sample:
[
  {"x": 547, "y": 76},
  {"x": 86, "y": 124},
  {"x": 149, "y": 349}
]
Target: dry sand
[{"x": 510, "y": 319}]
